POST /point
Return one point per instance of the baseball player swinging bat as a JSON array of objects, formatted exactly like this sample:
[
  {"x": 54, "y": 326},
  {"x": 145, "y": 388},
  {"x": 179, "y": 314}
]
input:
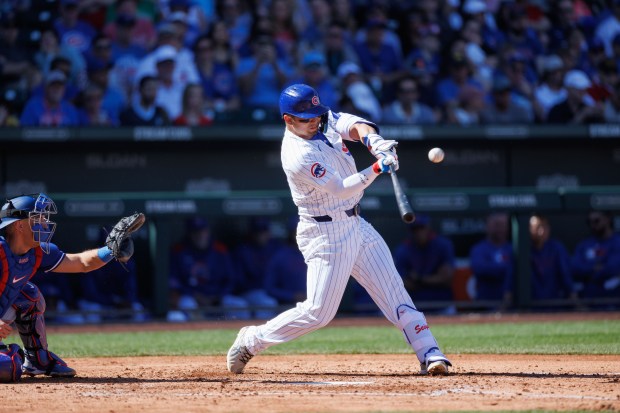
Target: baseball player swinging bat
[{"x": 406, "y": 212}]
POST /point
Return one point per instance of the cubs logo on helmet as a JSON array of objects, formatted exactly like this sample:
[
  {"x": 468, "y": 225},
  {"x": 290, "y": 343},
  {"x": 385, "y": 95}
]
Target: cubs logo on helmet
[
  {"x": 318, "y": 170},
  {"x": 302, "y": 101}
]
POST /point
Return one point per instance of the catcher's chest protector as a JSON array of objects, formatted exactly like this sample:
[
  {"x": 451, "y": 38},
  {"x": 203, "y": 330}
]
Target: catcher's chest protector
[{"x": 15, "y": 272}]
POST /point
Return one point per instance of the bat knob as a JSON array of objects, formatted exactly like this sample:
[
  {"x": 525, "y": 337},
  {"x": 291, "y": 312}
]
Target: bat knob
[{"x": 409, "y": 217}]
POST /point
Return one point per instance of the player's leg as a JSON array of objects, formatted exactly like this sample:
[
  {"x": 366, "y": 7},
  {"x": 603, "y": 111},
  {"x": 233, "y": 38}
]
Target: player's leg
[
  {"x": 376, "y": 272},
  {"x": 329, "y": 267},
  {"x": 27, "y": 311}
]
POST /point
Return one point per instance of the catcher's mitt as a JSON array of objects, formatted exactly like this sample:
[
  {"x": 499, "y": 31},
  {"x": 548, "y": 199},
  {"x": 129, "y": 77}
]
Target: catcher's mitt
[{"x": 119, "y": 239}]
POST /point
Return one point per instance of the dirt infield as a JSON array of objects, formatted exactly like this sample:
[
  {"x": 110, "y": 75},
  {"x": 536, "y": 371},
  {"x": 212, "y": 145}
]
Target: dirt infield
[{"x": 326, "y": 383}]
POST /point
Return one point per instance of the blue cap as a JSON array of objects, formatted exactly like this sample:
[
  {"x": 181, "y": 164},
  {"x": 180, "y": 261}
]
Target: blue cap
[
  {"x": 302, "y": 101},
  {"x": 313, "y": 58}
]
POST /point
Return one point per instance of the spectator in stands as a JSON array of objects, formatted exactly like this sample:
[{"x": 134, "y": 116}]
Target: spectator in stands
[
  {"x": 285, "y": 28},
  {"x": 202, "y": 274},
  {"x": 358, "y": 93},
  {"x": 448, "y": 89},
  {"x": 217, "y": 75},
  {"x": 492, "y": 262},
  {"x": 170, "y": 90},
  {"x": 51, "y": 109},
  {"x": 551, "y": 90},
  {"x": 16, "y": 61},
  {"x": 337, "y": 48},
  {"x": 61, "y": 64},
  {"x": 285, "y": 278},
  {"x": 112, "y": 292},
  {"x": 8, "y": 116},
  {"x": 187, "y": 34},
  {"x": 237, "y": 15},
  {"x": 469, "y": 108},
  {"x": 113, "y": 101},
  {"x": 90, "y": 108},
  {"x": 503, "y": 109},
  {"x": 252, "y": 257},
  {"x": 315, "y": 74},
  {"x": 551, "y": 273},
  {"x": 406, "y": 109},
  {"x": 578, "y": 107},
  {"x": 71, "y": 30},
  {"x": 194, "y": 111},
  {"x": 143, "y": 31},
  {"x": 379, "y": 60},
  {"x": 316, "y": 35},
  {"x": 143, "y": 110},
  {"x": 596, "y": 261},
  {"x": 263, "y": 75},
  {"x": 425, "y": 261},
  {"x": 195, "y": 17},
  {"x": 127, "y": 53},
  {"x": 609, "y": 27},
  {"x": 49, "y": 53}
]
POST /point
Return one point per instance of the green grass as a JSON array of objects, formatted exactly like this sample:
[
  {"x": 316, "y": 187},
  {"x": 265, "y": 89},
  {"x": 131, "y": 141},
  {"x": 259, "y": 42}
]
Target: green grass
[{"x": 567, "y": 337}]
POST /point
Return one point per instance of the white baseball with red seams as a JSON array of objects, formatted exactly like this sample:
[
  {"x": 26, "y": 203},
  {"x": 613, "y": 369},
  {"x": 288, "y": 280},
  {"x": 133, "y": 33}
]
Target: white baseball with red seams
[{"x": 335, "y": 250}]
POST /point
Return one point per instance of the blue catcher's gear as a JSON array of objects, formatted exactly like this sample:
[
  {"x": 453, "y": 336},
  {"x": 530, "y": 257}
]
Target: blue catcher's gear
[
  {"x": 11, "y": 360},
  {"x": 301, "y": 101},
  {"x": 37, "y": 208},
  {"x": 45, "y": 362}
]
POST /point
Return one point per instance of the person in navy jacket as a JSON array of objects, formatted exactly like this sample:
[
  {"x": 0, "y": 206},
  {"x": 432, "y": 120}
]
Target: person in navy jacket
[{"x": 596, "y": 261}]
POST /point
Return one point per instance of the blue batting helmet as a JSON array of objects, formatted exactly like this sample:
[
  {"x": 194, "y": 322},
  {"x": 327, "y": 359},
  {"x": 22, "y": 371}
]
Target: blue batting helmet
[{"x": 301, "y": 101}]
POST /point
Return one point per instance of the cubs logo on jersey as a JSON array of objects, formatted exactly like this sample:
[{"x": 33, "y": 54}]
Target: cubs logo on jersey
[{"x": 317, "y": 170}]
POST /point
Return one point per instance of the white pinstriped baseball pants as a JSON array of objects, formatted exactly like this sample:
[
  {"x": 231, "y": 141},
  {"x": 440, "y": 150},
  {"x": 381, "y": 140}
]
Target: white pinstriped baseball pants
[{"x": 334, "y": 251}]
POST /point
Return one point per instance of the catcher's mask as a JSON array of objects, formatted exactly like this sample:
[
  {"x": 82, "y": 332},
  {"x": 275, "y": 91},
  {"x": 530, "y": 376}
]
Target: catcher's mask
[
  {"x": 37, "y": 209},
  {"x": 302, "y": 101}
]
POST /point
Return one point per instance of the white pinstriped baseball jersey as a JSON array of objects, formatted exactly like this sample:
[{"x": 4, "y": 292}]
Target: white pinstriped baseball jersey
[{"x": 336, "y": 249}]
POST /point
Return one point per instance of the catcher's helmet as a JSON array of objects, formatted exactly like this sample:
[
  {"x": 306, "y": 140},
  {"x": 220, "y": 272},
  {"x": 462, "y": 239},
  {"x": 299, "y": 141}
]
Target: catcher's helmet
[
  {"x": 38, "y": 209},
  {"x": 301, "y": 101}
]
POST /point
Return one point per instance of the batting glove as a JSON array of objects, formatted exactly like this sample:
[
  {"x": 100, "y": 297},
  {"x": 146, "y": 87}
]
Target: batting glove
[
  {"x": 378, "y": 146},
  {"x": 382, "y": 166}
]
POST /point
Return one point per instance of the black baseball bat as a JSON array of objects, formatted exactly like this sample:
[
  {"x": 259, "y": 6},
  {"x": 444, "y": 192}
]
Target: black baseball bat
[{"x": 406, "y": 212}]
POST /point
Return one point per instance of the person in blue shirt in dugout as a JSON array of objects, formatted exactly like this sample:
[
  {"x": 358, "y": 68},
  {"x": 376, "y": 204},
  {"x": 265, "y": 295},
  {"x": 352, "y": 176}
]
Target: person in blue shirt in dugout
[
  {"x": 425, "y": 261},
  {"x": 596, "y": 261},
  {"x": 285, "y": 279},
  {"x": 551, "y": 275},
  {"x": 492, "y": 262}
]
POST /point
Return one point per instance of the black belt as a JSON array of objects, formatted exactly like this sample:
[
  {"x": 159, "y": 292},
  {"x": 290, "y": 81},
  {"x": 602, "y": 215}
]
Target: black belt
[{"x": 350, "y": 213}]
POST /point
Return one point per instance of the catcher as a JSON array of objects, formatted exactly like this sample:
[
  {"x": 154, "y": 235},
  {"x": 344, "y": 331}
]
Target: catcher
[{"x": 26, "y": 247}]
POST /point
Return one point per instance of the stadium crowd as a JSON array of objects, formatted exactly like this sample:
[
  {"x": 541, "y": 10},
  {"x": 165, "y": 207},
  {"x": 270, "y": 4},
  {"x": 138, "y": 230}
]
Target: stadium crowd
[{"x": 199, "y": 62}]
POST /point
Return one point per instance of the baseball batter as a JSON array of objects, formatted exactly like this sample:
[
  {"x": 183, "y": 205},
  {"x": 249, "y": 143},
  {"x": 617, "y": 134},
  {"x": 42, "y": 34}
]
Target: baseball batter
[
  {"x": 335, "y": 240},
  {"x": 24, "y": 249}
]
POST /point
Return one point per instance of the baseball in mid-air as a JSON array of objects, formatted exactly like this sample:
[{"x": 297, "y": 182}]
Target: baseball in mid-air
[{"x": 436, "y": 155}]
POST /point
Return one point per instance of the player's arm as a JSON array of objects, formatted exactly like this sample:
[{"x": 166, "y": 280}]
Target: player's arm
[{"x": 86, "y": 261}]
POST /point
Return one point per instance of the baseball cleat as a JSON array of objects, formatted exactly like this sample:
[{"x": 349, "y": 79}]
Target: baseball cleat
[
  {"x": 38, "y": 363},
  {"x": 238, "y": 354},
  {"x": 435, "y": 366}
]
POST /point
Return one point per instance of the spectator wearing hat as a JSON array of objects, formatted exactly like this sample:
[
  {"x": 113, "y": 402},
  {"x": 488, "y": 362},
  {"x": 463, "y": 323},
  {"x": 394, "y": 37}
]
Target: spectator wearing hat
[
  {"x": 492, "y": 262},
  {"x": 191, "y": 14},
  {"x": 72, "y": 31},
  {"x": 551, "y": 90},
  {"x": 143, "y": 110},
  {"x": 578, "y": 107},
  {"x": 143, "y": 31},
  {"x": 50, "y": 109},
  {"x": 469, "y": 107},
  {"x": 252, "y": 257},
  {"x": 170, "y": 90},
  {"x": 479, "y": 11},
  {"x": 126, "y": 54},
  {"x": 113, "y": 100},
  {"x": 407, "y": 109},
  {"x": 503, "y": 109},
  {"x": 425, "y": 261},
  {"x": 217, "y": 75},
  {"x": 202, "y": 274},
  {"x": 357, "y": 96},
  {"x": 314, "y": 73}
]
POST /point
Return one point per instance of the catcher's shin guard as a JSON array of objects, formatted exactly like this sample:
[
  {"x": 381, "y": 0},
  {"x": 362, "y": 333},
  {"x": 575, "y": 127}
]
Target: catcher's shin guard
[{"x": 30, "y": 322}]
